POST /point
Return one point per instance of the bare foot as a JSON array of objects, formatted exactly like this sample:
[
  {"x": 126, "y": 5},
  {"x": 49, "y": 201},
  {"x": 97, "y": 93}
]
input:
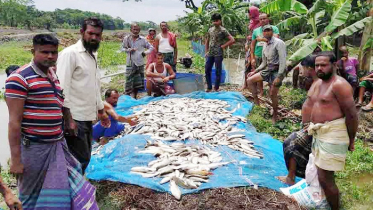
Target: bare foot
[
  {"x": 274, "y": 119},
  {"x": 256, "y": 101},
  {"x": 241, "y": 89},
  {"x": 208, "y": 90},
  {"x": 286, "y": 180}
]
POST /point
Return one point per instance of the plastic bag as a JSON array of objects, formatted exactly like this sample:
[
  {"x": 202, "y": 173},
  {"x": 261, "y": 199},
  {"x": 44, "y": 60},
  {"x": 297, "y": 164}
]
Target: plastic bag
[{"x": 308, "y": 192}]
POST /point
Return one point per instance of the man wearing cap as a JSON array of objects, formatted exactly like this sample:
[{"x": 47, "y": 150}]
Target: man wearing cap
[
  {"x": 151, "y": 58},
  {"x": 271, "y": 70}
]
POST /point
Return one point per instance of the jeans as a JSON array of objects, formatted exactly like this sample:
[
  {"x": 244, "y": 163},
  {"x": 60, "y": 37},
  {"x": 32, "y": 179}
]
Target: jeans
[
  {"x": 80, "y": 146},
  {"x": 218, "y": 60}
]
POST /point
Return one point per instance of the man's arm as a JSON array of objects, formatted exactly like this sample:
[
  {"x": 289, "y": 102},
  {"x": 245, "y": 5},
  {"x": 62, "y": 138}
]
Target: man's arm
[
  {"x": 125, "y": 47},
  {"x": 110, "y": 111},
  {"x": 149, "y": 47},
  {"x": 207, "y": 45},
  {"x": 150, "y": 73},
  {"x": 175, "y": 52},
  {"x": 263, "y": 64},
  {"x": 156, "y": 44},
  {"x": 11, "y": 200},
  {"x": 171, "y": 73},
  {"x": 70, "y": 125},
  {"x": 229, "y": 43},
  {"x": 281, "y": 48},
  {"x": 66, "y": 65},
  {"x": 341, "y": 69},
  {"x": 343, "y": 93}
]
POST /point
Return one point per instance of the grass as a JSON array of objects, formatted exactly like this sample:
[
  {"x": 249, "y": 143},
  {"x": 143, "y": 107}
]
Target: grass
[
  {"x": 108, "y": 57},
  {"x": 14, "y": 53}
]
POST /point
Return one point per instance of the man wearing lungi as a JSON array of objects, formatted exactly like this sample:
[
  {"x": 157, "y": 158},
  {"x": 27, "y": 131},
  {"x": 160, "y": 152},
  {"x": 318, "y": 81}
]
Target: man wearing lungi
[
  {"x": 134, "y": 45},
  {"x": 333, "y": 123},
  {"x": 48, "y": 176}
]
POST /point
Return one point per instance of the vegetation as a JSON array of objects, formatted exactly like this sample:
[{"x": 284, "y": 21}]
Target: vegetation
[{"x": 14, "y": 53}]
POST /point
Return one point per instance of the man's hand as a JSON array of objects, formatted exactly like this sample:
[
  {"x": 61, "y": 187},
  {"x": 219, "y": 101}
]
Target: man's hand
[
  {"x": 351, "y": 147},
  {"x": 71, "y": 128},
  {"x": 277, "y": 82},
  {"x": 12, "y": 201},
  {"x": 166, "y": 79},
  {"x": 261, "y": 39},
  {"x": 343, "y": 58},
  {"x": 206, "y": 54},
  {"x": 132, "y": 120},
  {"x": 105, "y": 121},
  {"x": 251, "y": 74},
  {"x": 16, "y": 167},
  {"x": 132, "y": 50},
  {"x": 175, "y": 60}
]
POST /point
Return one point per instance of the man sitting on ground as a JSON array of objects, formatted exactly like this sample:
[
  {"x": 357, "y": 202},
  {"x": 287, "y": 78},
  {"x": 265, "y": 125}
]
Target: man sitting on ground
[
  {"x": 366, "y": 84},
  {"x": 100, "y": 133},
  {"x": 157, "y": 78},
  {"x": 348, "y": 68},
  {"x": 297, "y": 147}
]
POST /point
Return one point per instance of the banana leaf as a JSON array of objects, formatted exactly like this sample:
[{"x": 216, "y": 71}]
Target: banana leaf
[
  {"x": 319, "y": 16},
  {"x": 297, "y": 38},
  {"x": 339, "y": 17},
  {"x": 275, "y": 6},
  {"x": 326, "y": 45},
  {"x": 284, "y": 25},
  {"x": 298, "y": 7},
  {"x": 348, "y": 31},
  {"x": 317, "y": 6},
  {"x": 307, "y": 49},
  {"x": 369, "y": 44}
]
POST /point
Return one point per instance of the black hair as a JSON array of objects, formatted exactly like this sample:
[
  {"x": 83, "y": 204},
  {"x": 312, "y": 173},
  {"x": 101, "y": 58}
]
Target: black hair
[
  {"x": 164, "y": 22},
  {"x": 45, "y": 39},
  {"x": 216, "y": 16},
  {"x": 309, "y": 61},
  {"x": 10, "y": 69},
  {"x": 108, "y": 92},
  {"x": 93, "y": 21},
  {"x": 328, "y": 54}
]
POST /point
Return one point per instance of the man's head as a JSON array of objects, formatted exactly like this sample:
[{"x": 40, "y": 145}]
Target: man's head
[
  {"x": 135, "y": 29},
  {"x": 344, "y": 51},
  {"x": 112, "y": 96},
  {"x": 264, "y": 20},
  {"x": 164, "y": 26},
  {"x": 10, "y": 69},
  {"x": 267, "y": 31},
  {"x": 325, "y": 65},
  {"x": 309, "y": 63},
  {"x": 45, "y": 50},
  {"x": 216, "y": 19},
  {"x": 92, "y": 33},
  {"x": 151, "y": 31},
  {"x": 160, "y": 57}
]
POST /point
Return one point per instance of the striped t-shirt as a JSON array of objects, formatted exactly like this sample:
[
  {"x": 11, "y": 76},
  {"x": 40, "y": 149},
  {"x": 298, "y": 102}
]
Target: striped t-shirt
[{"x": 42, "y": 114}]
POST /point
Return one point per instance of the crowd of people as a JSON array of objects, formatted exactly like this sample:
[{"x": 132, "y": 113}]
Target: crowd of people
[{"x": 54, "y": 100}]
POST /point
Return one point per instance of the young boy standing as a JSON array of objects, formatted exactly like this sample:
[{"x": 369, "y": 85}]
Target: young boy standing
[
  {"x": 214, "y": 48},
  {"x": 348, "y": 68}
]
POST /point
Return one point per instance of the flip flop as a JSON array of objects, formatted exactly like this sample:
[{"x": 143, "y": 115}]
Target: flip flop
[
  {"x": 367, "y": 109},
  {"x": 358, "y": 105}
]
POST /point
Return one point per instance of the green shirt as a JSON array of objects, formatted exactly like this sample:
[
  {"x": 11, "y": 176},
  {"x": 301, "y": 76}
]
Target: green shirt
[
  {"x": 259, "y": 45},
  {"x": 217, "y": 37}
]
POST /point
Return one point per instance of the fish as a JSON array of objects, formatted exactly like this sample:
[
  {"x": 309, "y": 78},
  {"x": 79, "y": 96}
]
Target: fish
[{"x": 175, "y": 190}]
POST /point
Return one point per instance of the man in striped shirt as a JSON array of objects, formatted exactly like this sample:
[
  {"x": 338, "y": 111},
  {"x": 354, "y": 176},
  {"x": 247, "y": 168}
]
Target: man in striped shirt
[{"x": 47, "y": 172}]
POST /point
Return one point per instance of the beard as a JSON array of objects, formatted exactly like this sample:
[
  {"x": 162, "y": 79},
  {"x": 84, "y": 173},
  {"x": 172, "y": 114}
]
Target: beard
[
  {"x": 48, "y": 63},
  {"x": 324, "y": 76},
  {"x": 91, "y": 46}
]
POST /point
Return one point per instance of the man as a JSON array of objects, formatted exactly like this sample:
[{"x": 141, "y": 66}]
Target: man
[
  {"x": 11, "y": 69},
  {"x": 215, "y": 44},
  {"x": 366, "y": 84},
  {"x": 100, "y": 133},
  {"x": 78, "y": 72},
  {"x": 151, "y": 58},
  {"x": 157, "y": 77},
  {"x": 271, "y": 70},
  {"x": 348, "y": 68},
  {"x": 10, "y": 199},
  {"x": 298, "y": 74},
  {"x": 48, "y": 176},
  {"x": 166, "y": 43},
  {"x": 297, "y": 147},
  {"x": 333, "y": 123},
  {"x": 256, "y": 48},
  {"x": 134, "y": 45}
]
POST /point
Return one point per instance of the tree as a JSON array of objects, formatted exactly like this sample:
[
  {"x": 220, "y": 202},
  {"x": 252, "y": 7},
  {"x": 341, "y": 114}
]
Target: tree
[{"x": 189, "y": 4}]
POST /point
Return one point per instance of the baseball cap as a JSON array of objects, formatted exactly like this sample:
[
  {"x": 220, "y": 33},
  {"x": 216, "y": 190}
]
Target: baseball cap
[{"x": 266, "y": 27}]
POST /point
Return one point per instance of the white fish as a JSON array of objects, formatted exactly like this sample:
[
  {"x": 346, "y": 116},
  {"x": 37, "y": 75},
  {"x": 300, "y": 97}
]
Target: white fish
[{"x": 175, "y": 191}]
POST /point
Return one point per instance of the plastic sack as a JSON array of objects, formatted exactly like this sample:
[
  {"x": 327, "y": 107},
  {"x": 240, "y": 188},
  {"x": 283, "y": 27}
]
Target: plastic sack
[{"x": 308, "y": 192}]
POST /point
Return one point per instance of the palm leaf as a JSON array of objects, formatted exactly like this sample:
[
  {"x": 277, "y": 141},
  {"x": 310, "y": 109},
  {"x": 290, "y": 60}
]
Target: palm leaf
[
  {"x": 348, "y": 31},
  {"x": 317, "y": 6},
  {"x": 284, "y": 25},
  {"x": 277, "y": 5},
  {"x": 296, "y": 39},
  {"x": 307, "y": 49},
  {"x": 339, "y": 17},
  {"x": 298, "y": 7}
]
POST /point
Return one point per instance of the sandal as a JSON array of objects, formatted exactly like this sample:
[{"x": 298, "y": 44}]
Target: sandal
[
  {"x": 367, "y": 108},
  {"x": 358, "y": 105}
]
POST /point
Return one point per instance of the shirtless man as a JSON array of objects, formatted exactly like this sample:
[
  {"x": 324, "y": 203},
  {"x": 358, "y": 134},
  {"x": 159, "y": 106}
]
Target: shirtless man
[
  {"x": 330, "y": 106},
  {"x": 100, "y": 133}
]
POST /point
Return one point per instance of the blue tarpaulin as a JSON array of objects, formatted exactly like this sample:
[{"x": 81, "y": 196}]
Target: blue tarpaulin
[{"x": 116, "y": 159}]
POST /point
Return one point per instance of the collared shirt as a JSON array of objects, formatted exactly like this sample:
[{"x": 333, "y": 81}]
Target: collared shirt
[
  {"x": 258, "y": 32},
  {"x": 274, "y": 53},
  {"x": 42, "y": 114},
  {"x": 140, "y": 44},
  {"x": 79, "y": 75}
]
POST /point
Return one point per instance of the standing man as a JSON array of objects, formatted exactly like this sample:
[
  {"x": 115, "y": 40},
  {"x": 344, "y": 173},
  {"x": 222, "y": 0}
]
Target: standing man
[
  {"x": 334, "y": 123},
  {"x": 48, "y": 176},
  {"x": 348, "y": 68},
  {"x": 214, "y": 48},
  {"x": 78, "y": 72},
  {"x": 134, "y": 45},
  {"x": 151, "y": 58},
  {"x": 257, "y": 43},
  {"x": 165, "y": 43},
  {"x": 272, "y": 69}
]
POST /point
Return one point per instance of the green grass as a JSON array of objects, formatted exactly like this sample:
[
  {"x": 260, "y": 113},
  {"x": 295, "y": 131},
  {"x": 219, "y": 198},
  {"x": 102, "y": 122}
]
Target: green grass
[
  {"x": 14, "y": 53},
  {"x": 108, "y": 56},
  {"x": 292, "y": 98}
]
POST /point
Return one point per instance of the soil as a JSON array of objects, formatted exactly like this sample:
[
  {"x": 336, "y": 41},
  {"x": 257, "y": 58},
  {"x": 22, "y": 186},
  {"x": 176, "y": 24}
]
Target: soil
[{"x": 133, "y": 197}]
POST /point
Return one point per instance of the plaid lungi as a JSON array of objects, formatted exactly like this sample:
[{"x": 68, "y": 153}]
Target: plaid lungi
[
  {"x": 169, "y": 58},
  {"x": 298, "y": 146},
  {"x": 134, "y": 78}
]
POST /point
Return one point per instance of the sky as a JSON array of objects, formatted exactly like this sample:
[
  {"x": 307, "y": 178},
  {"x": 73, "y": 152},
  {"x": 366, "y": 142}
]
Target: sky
[{"x": 153, "y": 10}]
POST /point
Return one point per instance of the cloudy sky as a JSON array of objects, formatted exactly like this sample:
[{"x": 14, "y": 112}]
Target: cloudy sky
[{"x": 154, "y": 10}]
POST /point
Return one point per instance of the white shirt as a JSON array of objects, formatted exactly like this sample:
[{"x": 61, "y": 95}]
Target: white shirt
[
  {"x": 79, "y": 78},
  {"x": 164, "y": 45}
]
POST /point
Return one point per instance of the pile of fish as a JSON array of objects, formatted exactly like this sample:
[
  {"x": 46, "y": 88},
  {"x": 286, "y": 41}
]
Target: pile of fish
[
  {"x": 186, "y": 166},
  {"x": 206, "y": 120}
]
